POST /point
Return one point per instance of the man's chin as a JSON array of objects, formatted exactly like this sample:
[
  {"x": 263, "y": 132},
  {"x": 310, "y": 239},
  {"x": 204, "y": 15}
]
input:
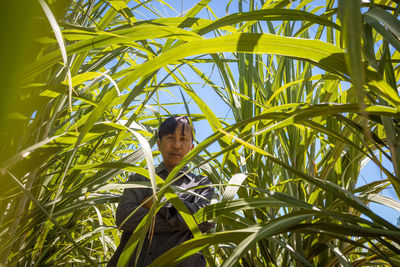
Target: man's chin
[
  {"x": 175, "y": 159},
  {"x": 173, "y": 164}
]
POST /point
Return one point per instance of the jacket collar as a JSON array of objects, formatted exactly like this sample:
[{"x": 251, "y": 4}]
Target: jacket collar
[{"x": 163, "y": 172}]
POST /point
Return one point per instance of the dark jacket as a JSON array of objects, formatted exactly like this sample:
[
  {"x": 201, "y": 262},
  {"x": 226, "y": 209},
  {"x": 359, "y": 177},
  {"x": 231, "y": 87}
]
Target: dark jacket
[{"x": 170, "y": 229}]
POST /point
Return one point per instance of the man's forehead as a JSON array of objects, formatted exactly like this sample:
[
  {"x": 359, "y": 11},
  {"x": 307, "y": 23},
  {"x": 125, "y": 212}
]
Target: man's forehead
[{"x": 180, "y": 130}]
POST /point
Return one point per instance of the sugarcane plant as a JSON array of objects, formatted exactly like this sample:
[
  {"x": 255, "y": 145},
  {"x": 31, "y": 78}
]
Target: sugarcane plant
[{"x": 311, "y": 92}]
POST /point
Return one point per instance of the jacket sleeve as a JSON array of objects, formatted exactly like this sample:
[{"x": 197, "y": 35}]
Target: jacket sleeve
[
  {"x": 130, "y": 202},
  {"x": 193, "y": 203},
  {"x": 198, "y": 202}
]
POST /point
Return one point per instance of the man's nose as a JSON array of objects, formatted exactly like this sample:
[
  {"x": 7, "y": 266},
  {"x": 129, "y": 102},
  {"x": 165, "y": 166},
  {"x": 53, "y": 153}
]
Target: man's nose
[{"x": 176, "y": 144}]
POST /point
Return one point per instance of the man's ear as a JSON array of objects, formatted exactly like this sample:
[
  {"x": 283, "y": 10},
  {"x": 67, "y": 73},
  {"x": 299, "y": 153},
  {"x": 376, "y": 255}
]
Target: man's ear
[
  {"x": 192, "y": 146},
  {"x": 158, "y": 144}
]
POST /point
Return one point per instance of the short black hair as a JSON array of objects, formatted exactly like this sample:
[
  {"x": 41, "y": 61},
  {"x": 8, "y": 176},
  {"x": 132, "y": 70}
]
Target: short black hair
[{"x": 169, "y": 125}]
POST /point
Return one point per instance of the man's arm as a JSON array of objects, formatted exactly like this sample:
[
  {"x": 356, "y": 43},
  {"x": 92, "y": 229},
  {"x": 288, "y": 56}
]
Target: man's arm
[
  {"x": 168, "y": 218},
  {"x": 139, "y": 201},
  {"x": 205, "y": 194},
  {"x": 193, "y": 204},
  {"x": 130, "y": 201}
]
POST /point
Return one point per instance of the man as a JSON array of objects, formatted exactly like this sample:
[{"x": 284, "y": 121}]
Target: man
[{"x": 175, "y": 140}]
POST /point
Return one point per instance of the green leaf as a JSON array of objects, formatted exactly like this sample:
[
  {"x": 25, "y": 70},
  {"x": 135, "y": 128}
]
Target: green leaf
[
  {"x": 231, "y": 191},
  {"x": 120, "y": 36},
  {"x": 324, "y": 55},
  {"x": 265, "y": 15}
]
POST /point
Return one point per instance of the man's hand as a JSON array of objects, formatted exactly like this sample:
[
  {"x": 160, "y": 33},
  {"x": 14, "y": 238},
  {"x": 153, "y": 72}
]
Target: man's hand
[{"x": 148, "y": 203}]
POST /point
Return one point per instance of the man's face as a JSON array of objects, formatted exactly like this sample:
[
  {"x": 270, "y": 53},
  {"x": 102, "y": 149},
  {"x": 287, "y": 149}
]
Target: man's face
[{"x": 174, "y": 147}]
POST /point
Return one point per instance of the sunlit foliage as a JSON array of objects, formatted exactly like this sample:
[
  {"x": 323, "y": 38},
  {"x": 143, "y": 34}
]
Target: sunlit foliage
[{"x": 311, "y": 93}]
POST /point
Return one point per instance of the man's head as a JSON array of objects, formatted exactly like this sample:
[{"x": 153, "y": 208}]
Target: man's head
[{"x": 175, "y": 140}]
